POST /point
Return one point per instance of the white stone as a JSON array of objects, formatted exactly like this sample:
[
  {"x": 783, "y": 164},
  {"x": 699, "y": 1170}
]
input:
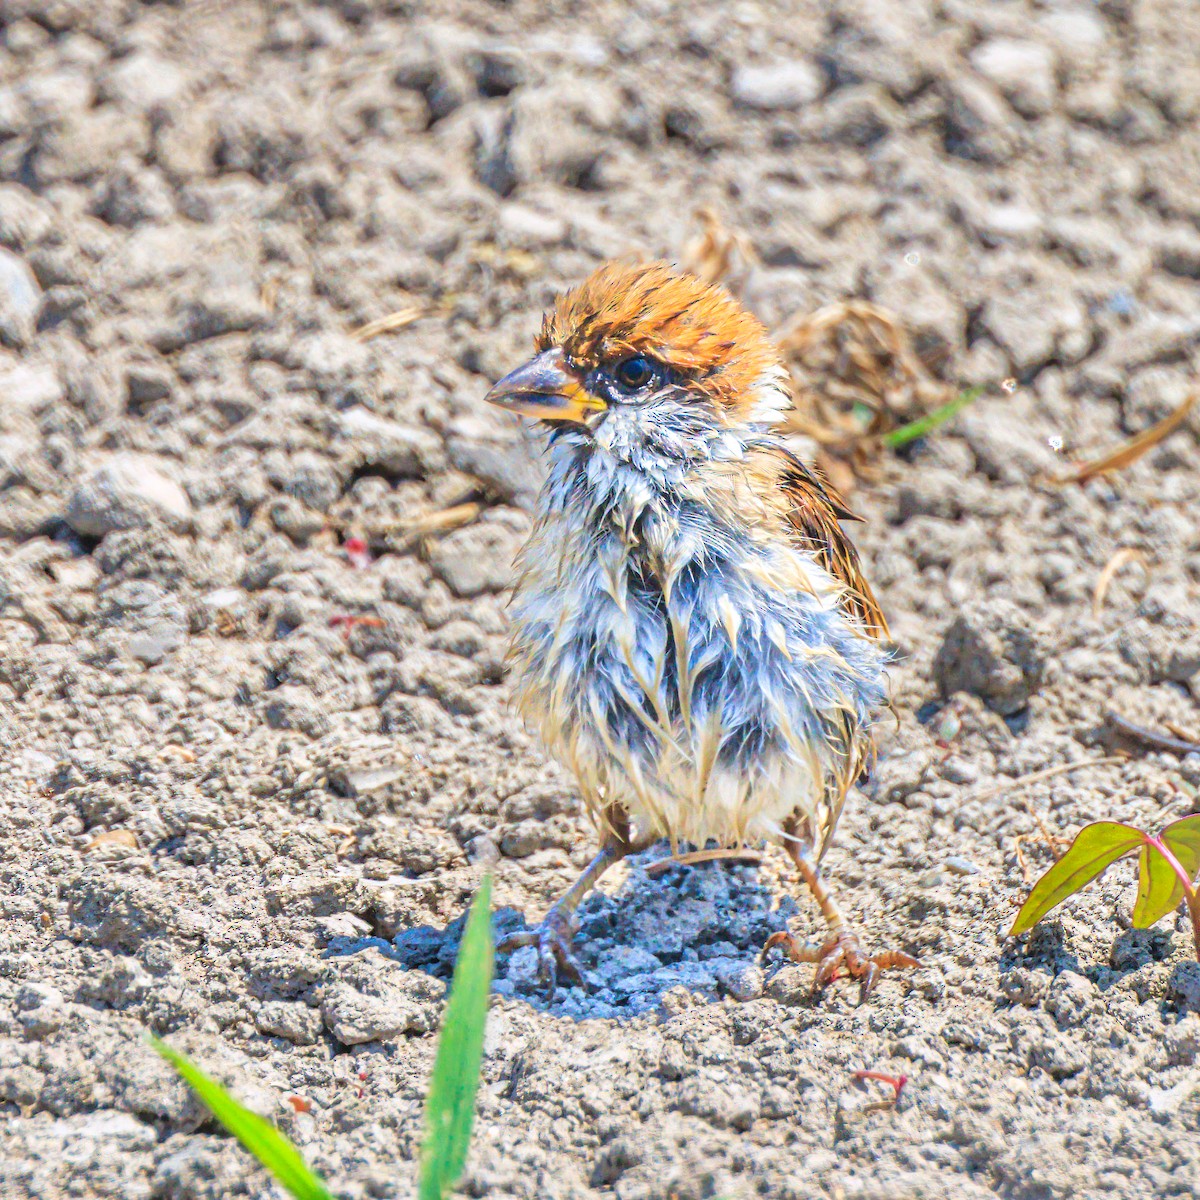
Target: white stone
[
  {"x": 30, "y": 386},
  {"x": 1022, "y": 70},
  {"x": 126, "y": 492},
  {"x": 779, "y": 85}
]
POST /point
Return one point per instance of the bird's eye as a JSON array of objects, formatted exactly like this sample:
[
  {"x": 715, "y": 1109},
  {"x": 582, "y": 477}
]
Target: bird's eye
[{"x": 634, "y": 373}]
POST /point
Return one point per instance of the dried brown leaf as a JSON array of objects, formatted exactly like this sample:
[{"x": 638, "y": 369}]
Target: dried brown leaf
[
  {"x": 718, "y": 254},
  {"x": 857, "y": 377},
  {"x": 1130, "y": 451}
]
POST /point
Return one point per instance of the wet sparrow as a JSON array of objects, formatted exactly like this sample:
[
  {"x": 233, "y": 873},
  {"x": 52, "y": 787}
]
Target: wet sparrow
[{"x": 692, "y": 635}]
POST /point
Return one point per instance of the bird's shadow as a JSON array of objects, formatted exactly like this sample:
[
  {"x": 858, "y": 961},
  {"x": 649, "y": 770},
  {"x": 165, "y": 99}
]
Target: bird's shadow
[{"x": 699, "y": 926}]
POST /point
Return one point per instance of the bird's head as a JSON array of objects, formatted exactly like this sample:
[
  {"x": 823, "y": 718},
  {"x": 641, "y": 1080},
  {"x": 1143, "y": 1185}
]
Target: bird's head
[{"x": 645, "y": 353}]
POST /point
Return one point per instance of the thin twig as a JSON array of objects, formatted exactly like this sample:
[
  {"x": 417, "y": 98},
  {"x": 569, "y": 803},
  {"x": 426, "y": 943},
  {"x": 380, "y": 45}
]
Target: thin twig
[
  {"x": 390, "y": 323},
  {"x": 702, "y": 856},
  {"x": 1151, "y": 737},
  {"x": 1022, "y": 837},
  {"x": 1036, "y": 776},
  {"x": 1130, "y": 451},
  {"x": 439, "y": 521},
  {"x": 1126, "y": 554}
]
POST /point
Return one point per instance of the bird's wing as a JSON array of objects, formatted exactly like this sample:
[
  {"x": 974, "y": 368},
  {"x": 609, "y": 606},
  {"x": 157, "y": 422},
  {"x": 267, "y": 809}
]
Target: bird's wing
[{"x": 814, "y": 512}]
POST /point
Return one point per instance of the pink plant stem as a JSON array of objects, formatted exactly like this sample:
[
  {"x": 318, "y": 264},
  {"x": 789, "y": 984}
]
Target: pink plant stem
[{"x": 1189, "y": 889}]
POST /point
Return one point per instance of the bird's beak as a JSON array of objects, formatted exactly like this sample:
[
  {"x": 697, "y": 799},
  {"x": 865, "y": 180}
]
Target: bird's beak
[{"x": 547, "y": 388}]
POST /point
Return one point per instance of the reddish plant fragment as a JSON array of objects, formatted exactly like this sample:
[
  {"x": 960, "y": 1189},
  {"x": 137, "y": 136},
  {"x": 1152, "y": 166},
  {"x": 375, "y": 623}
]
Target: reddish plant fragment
[
  {"x": 896, "y": 1082},
  {"x": 348, "y": 622},
  {"x": 358, "y": 552}
]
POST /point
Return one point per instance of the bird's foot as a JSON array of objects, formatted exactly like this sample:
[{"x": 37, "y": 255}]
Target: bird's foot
[
  {"x": 841, "y": 950},
  {"x": 553, "y": 939}
]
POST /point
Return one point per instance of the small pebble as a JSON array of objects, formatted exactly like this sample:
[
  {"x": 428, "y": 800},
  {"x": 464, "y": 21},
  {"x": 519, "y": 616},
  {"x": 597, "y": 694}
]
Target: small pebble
[
  {"x": 743, "y": 981},
  {"x": 128, "y": 491},
  {"x": 960, "y": 865},
  {"x": 780, "y": 85}
]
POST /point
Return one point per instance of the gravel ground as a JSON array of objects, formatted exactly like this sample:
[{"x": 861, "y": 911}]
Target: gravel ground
[{"x": 237, "y": 817}]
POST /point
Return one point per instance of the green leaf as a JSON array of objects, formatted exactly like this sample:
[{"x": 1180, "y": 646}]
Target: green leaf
[
  {"x": 1159, "y": 887},
  {"x": 450, "y": 1105},
  {"x": 260, "y": 1137},
  {"x": 1182, "y": 838},
  {"x": 896, "y": 438},
  {"x": 1095, "y": 847}
]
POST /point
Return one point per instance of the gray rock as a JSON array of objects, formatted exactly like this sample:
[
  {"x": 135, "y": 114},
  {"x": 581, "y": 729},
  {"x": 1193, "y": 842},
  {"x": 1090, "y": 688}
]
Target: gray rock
[
  {"x": 779, "y": 85},
  {"x": 37, "y": 995},
  {"x": 152, "y": 645},
  {"x": 1182, "y": 1040},
  {"x": 525, "y": 226},
  {"x": 296, "y": 1022},
  {"x": 791, "y": 984},
  {"x": 1071, "y": 999},
  {"x": 377, "y": 999},
  {"x": 296, "y": 519},
  {"x": 729, "y": 1106},
  {"x": 1022, "y": 70},
  {"x": 122, "y": 912},
  {"x": 320, "y": 894},
  {"x": 399, "y": 451},
  {"x": 979, "y": 124},
  {"x": 294, "y": 706},
  {"x": 127, "y": 492},
  {"x": 20, "y": 296},
  {"x": 700, "y": 120},
  {"x": 42, "y": 1021},
  {"x": 991, "y": 651},
  {"x": 31, "y": 386},
  {"x": 477, "y": 558},
  {"x": 523, "y": 839},
  {"x": 523, "y": 970},
  {"x": 1184, "y": 986},
  {"x": 509, "y": 464},
  {"x": 742, "y": 980},
  {"x": 122, "y": 982},
  {"x": 1025, "y": 985},
  {"x": 143, "y": 80},
  {"x": 960, "y": 865},
  {"x": 898, "y": 776},
  {"x": 621, "y": 961}
]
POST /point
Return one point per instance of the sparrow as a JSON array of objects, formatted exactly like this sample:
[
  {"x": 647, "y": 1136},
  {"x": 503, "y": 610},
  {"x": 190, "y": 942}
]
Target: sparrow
[{"x": 692, "y": 634}]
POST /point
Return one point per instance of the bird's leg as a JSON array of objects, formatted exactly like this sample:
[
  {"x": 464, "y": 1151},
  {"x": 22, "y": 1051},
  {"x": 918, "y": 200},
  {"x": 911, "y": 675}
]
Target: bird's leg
[
  {"x": 553, "y": 936},
  {"x": 842, "y": 948}
]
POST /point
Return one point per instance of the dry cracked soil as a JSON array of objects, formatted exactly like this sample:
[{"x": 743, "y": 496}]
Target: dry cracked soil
[{"x": 249, "y": 779}]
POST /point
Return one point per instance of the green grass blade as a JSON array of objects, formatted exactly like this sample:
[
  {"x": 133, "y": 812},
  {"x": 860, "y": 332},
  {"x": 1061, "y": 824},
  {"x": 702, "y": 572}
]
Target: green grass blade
[
  {"x": 450, "y": 1105},
  {"x": 260, "y": 1137},
  {"x": 1095, "y": 847},
  {"x": 1159, "y": 887},
  {"x": 896, "y": 438}
]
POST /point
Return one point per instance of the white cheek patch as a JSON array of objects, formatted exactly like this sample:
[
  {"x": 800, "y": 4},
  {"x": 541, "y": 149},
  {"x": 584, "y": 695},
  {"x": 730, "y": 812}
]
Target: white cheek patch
[{"x": 772, "y": 396}]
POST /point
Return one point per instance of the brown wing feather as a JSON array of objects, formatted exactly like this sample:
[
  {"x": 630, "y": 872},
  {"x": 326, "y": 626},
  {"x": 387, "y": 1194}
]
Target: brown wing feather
[{"x": 814, "y": 511}]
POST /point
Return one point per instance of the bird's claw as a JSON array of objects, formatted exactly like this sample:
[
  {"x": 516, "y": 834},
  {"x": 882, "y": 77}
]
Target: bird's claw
[
  {"x": 841, "y": 950},
  {"x": 555, "y": 951}
]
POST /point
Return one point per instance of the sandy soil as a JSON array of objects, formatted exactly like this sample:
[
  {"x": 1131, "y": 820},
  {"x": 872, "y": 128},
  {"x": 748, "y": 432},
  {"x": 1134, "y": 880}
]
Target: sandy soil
[{"x": 233, "y": 816}]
